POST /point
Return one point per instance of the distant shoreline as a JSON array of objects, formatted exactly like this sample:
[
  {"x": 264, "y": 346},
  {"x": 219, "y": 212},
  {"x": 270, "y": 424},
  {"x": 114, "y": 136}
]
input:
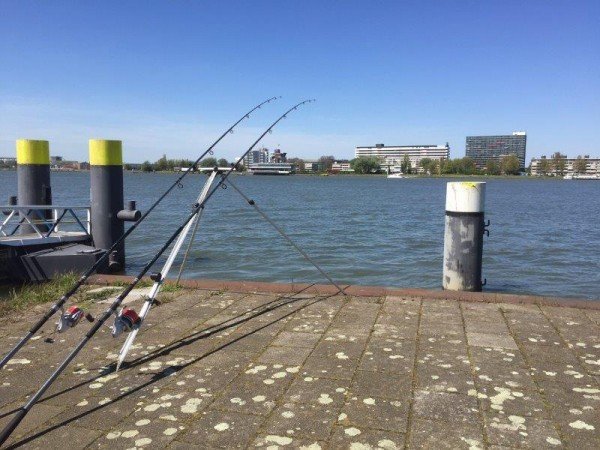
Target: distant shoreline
[{"x": 449, "y": 175}]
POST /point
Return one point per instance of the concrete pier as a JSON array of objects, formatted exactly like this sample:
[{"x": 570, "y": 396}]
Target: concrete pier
[{"x": 255, "y": 367}]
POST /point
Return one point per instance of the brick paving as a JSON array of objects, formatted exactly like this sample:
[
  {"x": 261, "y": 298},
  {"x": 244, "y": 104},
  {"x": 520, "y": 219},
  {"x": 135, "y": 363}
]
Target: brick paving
[{"x": 215, "y": 369}]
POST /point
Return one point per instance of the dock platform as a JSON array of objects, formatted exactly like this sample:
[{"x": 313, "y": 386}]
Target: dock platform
[{"x": 256, "y": 366}]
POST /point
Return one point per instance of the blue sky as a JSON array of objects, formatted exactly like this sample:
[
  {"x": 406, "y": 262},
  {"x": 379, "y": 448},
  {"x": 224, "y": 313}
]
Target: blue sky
[{"x": 168, "y": 77}]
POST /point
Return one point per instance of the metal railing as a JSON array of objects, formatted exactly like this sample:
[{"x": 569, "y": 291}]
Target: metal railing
[{"x": 64, "y": 219}]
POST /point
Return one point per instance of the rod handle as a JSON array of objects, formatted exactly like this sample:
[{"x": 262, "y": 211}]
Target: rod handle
[{"x": 14, "y": 423}]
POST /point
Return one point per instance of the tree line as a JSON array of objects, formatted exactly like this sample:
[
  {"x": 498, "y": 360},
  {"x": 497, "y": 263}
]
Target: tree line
[
  {"x": 508, "y": 165},
  {"x": 169, "y": 165},
  {"x": 557, "y": 165}
]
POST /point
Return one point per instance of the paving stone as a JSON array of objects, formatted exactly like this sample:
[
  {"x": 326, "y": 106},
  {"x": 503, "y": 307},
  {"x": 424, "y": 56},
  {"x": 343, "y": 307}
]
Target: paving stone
[
  {"x": 311, "y": 422},
  {"x": 377, "y": 413},
  {"x": 319, "y": 391},
  {"x": 250, "y": 396},
  {"x": 291, "y": 339},
  {"x": 309, "y": 325},
  {"x": 332, "y": 374},
  {"x": 433, "y": 328},
  {"x": 518, "y": 431},
  {"x": 352, "y": 437},
  {"x": 129, "y": 435},
  {"x": 388, "y": 355},
  {"x": 381, "y": 384},
  {"x": 333, "y": 367},
  {"x": 442, "y": 406},
  {"x": 507, "y": 401},
  {"x": 432, "y": 378},
  {"x": 339, "y": 350},
  {"x": 477, "y": 325},
  {"x": 284, "y": 355},
  {"x": 395, "y": 331},
  {"x": 400, "y": 319},
  {"x": 222, "y": 429},
  {"x": 427, "y": 434},
  {"x": 38, "y": 416},
  {"x": 178, "y": 445},
  {"x": 97, "y": 413},
  {"x": 274, "y": 442},
  {"x": 69, "y": 436},
  {"x": 249, "y": 342},
  {"x": 443, "y": 360},
  {"x": 492, "y": 340}
]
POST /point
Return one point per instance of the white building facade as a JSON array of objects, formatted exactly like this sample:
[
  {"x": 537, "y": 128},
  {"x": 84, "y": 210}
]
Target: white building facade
[
  {"x": 341, "y": 166},
  {"x": 391, "y": 157},
  {"x": 546, "y": 166}
]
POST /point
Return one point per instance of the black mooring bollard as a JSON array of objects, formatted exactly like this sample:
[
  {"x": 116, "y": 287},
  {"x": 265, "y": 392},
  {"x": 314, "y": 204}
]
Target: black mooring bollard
[
  {"x": 463, "y": 239},
  {"x": 33, "y": 181},
  {"x": 106, "y": 192}
]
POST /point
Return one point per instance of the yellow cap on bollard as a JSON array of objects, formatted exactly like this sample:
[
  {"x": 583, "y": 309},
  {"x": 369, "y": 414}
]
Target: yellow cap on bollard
[
  {"x": 106, "y": 153},
  {"x": 33, "y": 151}
]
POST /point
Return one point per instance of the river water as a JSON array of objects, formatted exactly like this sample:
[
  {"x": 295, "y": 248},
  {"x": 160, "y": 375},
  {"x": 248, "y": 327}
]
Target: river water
[{"x": 369, "y": 230}]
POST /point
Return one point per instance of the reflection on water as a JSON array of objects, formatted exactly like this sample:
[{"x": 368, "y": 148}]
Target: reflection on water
[{"x": 367, "y": 230}]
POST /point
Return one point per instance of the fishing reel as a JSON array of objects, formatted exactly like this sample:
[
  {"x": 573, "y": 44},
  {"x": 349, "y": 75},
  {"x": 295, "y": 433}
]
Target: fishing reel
[
  {"x": 71, "y": 317},
  {"x": 125, "y": 321}
]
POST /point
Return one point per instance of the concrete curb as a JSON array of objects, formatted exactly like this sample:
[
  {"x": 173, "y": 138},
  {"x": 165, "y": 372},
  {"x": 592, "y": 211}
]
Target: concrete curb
[{"x": 364, "y": 291}]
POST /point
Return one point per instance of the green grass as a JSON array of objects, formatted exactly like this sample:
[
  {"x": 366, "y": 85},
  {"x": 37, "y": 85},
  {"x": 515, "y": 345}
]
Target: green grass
[
  {"x": 102, "y": 295},
  {"x": 18, "y": 298},
  {"x": 170, "y": 287}
]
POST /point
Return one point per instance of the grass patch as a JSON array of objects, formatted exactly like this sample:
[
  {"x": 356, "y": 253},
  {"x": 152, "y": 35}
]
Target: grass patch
[
  {"x": 18, "y": 298},
  {"x": 105, "y": 293},
  {"x": 170, "y": 287}
]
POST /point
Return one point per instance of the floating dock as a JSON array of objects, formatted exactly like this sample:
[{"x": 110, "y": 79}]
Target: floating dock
[{"x": 256, "y": 366}]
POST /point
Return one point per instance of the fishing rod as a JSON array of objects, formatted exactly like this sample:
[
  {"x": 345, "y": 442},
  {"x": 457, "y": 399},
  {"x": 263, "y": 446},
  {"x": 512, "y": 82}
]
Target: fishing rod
[
  {"x": 16, "y": 420},
  {"x": 149, "y": 301},
  {"x": 70, "y": 318},
  {"x": 285, "y": 236},
  {"x": 167, "y": 266}
]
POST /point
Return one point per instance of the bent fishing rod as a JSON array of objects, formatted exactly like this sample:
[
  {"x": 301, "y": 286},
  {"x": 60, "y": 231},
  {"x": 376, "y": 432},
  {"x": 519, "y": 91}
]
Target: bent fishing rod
[
  {"x": 20, "y": 415},
  {"x": 151, "y": 298},
  {"x": 59, "y": 304}
]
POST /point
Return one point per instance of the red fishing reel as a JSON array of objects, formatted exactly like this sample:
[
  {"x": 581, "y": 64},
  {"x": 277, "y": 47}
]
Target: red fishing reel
[
  {"x": 125, "y": 321},
  {"x": 71, "y": 317}
]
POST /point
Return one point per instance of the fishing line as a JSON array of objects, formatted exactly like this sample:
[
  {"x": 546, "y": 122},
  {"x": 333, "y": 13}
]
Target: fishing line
[
  {"x": 58, "y": 305},
  {"x": 16, "y": 420}
]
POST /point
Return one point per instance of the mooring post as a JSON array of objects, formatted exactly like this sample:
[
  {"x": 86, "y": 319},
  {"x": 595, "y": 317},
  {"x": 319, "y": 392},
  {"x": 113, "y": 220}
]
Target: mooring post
[
  {"x": 106, "y": 195},
  {"x": 463, "y": 238},
  {"x": 33, "y": 181}
]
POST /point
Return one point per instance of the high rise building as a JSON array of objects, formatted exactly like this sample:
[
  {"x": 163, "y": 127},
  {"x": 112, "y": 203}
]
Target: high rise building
[
  {"x": 391, "y": 157},
  {"x": 257, "y": 157},
  {"x": 492, "y": 148}
]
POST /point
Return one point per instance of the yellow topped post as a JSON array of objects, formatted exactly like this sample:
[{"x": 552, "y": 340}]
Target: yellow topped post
[
  {"x": 106, "y": 152},
  {"x": 31, "y": 151},
  {"x": 33, "y": 182},
  {"x": 106, "y": 189}
]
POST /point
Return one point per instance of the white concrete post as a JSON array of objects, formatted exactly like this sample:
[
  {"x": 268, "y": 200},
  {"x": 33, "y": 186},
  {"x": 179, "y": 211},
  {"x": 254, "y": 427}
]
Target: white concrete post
[{"x": 463, "y": 238}]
